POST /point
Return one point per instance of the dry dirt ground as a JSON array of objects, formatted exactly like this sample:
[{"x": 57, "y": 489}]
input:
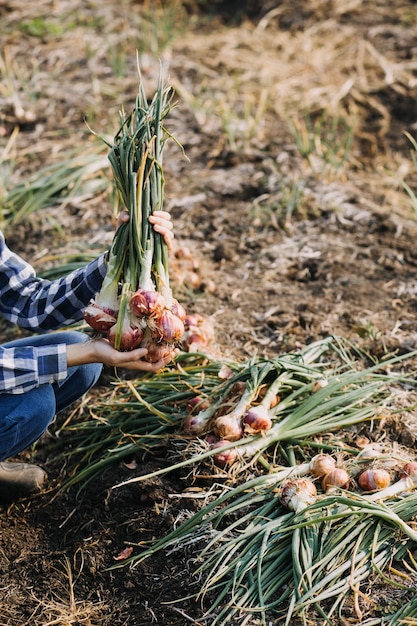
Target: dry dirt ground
[{"x": 292, "y": 239}]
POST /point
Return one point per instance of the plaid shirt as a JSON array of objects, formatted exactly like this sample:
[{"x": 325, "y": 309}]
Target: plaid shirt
[{"x": 40, "y": 305}]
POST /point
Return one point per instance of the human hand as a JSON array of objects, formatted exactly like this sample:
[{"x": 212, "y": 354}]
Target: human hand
[
  {"x": 160, "y": 220},
  {"x": 101, "y": 351}
]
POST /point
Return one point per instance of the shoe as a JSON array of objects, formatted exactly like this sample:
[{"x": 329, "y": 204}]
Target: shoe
[{"x": 20, "y": 479}]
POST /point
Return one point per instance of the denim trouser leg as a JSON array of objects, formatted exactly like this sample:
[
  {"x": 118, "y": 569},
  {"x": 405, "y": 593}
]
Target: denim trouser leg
[{"x": 25, "y": 417}]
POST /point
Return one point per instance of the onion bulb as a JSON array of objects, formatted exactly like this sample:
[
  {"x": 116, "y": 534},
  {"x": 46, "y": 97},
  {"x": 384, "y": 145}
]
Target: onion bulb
[
  {"x": 197, "y": 423},
  {"x": 178, "y": 309},
  {"x": 374, "y": 478},
  {"x": 297, "y": 493},
  {"x": 197, "y": 404},
  {"x": 229, "y": 427},
  {"x": 156, "y": 351},
  {"x": 257, "y": 419},
  {"x": 127, "y": 337},
  {"x": 167, "y": 326},
  {"x": 198, "y": 333},
  {"x": 101, "y": 319},
  {"x": 337, "y": 478},
  {"x": 407, "y": 481},
  {"x": 409, "y": 469},
  {"x": 322, "y": 464},
  {"x": 146, "y": 302},
  {"x": 224, "y": 457}
]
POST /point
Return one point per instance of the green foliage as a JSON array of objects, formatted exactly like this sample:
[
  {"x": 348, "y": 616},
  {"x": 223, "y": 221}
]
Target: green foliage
[
  {"x": 161, "y": 24},
  {"x": 72, "y": 176},
  {"x": 323, "y": 140},
  {"x": 41, "y": 27}
]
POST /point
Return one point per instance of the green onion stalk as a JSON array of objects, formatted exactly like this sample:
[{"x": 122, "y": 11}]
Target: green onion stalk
[
  {"x": 349, "y": 397},
  {"x": 136, "y": 294},
  {"x": 160, "y": 409},
  {"x": 258, "y": 558}
]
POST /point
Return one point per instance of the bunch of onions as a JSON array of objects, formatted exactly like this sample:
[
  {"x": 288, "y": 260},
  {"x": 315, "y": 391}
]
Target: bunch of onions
[
  {"x": 248, "y": 416},
  {"x": 135, "y": 306}
]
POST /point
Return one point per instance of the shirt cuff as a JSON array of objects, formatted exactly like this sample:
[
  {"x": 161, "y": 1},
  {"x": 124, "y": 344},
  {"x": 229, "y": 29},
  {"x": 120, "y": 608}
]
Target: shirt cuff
[{"x": 52, "y": 363}]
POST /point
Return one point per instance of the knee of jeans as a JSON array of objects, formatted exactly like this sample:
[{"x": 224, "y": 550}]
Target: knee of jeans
[
  {"x": 92, "y": 373},
  {"x": 26, "y": 418},
  {"x": 46, "y": 408}
]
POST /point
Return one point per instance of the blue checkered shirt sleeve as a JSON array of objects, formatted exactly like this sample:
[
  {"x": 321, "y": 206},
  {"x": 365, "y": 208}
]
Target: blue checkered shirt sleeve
[{"x": 40, "y": 305}]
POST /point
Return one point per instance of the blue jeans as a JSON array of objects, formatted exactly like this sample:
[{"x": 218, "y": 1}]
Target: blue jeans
[{"x": 25, "y": 417}]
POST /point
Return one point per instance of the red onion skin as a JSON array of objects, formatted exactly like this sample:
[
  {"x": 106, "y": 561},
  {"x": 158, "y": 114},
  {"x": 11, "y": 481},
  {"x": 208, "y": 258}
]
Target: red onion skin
[
  {"x": 178, "y": 310},
  {"x": 146, "y": 302},
  {"x": 193, "y": 320},
  {"x": 226, "y": 457},
  {"x": 156, "y": 351},
  {"x": 198, "y": 333},
  {"x": 131, "y": 337},
  {"x": 101, "y": 319},
  {"x": 195, "y": 425},
  {"x": 194, "y": 342},
  {"x": 373, "y": 479},
  {"x": 257, "y": 419},
  {"x": 167, "y": 327},
  {"x": 409, "y": 469},
  {"x": 197, "y": 404}
]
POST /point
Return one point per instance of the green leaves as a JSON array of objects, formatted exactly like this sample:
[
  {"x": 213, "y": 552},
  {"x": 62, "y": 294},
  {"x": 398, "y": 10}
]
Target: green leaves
[{"x": 253, "y": 558}]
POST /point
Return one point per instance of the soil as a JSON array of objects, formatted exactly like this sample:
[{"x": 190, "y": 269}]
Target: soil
[{"x": 291, "y": 242}]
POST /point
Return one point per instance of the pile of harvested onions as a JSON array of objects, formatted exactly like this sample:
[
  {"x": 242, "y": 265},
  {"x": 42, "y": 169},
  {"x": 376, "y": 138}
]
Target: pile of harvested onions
[
  {"x": 135, "y": 306},
  {"x": 282, "y": 538},
  {"x": 274, "y": 548}
]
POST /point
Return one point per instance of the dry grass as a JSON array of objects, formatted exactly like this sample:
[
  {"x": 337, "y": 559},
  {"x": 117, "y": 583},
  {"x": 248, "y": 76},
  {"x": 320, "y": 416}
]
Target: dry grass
[
  {"x": 233, "y": 79},
  {"x": 59, "y": 607},
  {"x": 67, "y": 611}
]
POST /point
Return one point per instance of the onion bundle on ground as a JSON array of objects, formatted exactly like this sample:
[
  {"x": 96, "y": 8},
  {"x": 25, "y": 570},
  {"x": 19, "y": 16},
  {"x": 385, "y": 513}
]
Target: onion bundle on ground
[
  {"x": 275, "y": 549},
  {"x": 254, "y": 557},
  {"x": 135, "y": 306}
]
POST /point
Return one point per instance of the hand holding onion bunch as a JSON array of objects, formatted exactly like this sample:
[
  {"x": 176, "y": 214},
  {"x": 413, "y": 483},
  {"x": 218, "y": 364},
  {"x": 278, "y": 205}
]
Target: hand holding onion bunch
[
  {"x": 101, "y": 350},
  {"x": 135, "y": 307}
]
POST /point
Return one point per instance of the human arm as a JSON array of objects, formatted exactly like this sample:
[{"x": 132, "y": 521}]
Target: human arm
[
  {"x": 25, "y": 367},
  {"x": 101, "y": 351},
  {"x": 39, "y": 304}
]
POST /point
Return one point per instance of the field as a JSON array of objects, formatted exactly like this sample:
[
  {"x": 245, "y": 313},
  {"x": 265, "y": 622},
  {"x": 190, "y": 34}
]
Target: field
[{"x": 293, "y": 192}]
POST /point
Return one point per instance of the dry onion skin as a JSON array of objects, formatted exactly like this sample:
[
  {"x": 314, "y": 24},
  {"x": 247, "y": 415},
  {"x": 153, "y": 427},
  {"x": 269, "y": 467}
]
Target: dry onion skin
[
  {"x": 373, "y": 479},
  {"x": 298, "y": 493},
  {"x": 321, "y": 464},
  {"x": 338, "y": 478}
]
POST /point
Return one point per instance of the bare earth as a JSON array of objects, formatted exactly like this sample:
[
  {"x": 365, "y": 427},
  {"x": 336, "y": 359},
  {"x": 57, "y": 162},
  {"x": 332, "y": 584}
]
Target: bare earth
[{"x": 287, "y": 249}]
